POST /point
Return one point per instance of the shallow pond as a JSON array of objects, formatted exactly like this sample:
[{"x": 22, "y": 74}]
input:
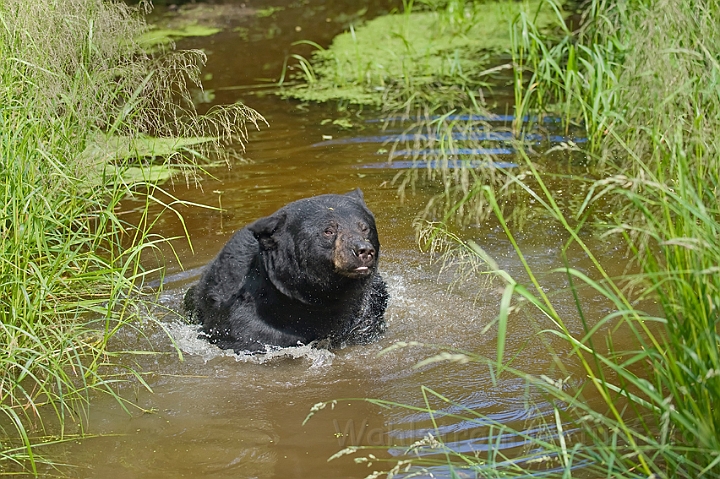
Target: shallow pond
[{"x": 214, "y": 414}]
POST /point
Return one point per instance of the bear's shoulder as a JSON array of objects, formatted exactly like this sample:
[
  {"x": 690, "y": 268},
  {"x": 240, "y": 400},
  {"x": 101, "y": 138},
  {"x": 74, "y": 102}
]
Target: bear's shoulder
[{"x": 230, "y": 267}]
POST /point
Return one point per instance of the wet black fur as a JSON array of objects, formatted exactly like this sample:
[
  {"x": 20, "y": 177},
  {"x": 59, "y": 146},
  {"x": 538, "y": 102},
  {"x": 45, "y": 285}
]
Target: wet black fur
[{"x": 282, "y": 281}]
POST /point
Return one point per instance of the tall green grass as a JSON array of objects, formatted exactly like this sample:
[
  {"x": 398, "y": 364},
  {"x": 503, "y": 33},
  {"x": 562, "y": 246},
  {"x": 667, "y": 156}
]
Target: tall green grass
[
  {"x": 644, "y": 402},
  {"x": 570, "y": 71},
  {"x": 656, "y": 416},
  {"x": 641, "y": 79},
  {"x": 79, "y": 104}
]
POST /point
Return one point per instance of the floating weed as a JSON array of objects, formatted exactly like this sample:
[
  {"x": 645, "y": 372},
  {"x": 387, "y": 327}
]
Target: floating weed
[
  {"x": 268, "y": 12},
  {"x": 405, "y": 57},
  {"x": 191, "y": 20},
  {"x": 164, "y": 36}
]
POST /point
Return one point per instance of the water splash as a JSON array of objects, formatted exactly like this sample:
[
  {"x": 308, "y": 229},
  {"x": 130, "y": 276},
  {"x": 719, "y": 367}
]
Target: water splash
[{"x": 190, "y": 339}]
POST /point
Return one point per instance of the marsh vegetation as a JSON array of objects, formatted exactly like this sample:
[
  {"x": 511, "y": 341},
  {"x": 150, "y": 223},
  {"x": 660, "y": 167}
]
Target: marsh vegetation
[
  {"x": 639, "y": 81},
  {"x": 430, "y": 55},
  {"x": 87, "y": 120}
]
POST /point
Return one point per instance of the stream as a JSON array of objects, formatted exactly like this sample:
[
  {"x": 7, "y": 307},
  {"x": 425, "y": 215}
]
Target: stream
[{"x": 214, "y": 414}]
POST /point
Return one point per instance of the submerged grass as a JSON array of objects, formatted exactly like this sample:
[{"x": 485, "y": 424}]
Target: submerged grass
[{"x": 85, "y": 117}]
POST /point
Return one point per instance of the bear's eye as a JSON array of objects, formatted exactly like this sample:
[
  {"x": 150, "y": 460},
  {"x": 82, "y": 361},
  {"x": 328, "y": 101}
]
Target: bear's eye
[
  {"x": 363, "y": 227},
  {"x": 329, "y": 231}
]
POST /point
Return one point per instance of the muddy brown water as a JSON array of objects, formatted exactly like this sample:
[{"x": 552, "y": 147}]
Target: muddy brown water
[{"x": 215, "y": 414}]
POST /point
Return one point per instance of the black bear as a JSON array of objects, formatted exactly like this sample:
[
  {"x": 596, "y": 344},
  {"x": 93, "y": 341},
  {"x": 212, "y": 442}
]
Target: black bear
[{"x": 307, "y": 272}]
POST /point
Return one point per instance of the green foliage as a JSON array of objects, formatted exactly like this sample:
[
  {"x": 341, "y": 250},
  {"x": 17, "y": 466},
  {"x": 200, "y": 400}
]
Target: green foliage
[
  {"x": 637, "y": 76},
  {"x": 668, "y": 89},
  {"x": 643, "y": 83},
  {"x": 87, "y": 119},
  {"x": 638, "y": 79},
  {"x": 572, "y": 73},
  {"x": 641, "y": 79}
]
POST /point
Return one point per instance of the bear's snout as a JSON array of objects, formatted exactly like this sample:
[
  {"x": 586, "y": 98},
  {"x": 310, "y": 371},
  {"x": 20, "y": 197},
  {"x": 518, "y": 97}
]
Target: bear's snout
[
  {"x": 354, "y": 256},
  {"x": 365, "y": 252}
]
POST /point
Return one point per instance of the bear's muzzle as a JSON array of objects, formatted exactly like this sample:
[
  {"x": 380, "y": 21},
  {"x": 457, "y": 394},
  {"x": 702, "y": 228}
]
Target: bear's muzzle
[{"x": 354, "y": 256}]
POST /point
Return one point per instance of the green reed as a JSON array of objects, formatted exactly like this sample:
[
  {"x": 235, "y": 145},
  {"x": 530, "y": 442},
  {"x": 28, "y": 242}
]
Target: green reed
[
  {"x": 641, "y": 79},
  {"x": 644, "y": 403},
  {"x": 569, "y": 71},
  {"x": 79, "y": 104}
]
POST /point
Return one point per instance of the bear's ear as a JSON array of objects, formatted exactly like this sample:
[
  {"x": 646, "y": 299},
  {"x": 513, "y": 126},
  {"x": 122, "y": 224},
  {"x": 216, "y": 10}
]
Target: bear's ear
[
  {"x": 357, "y": 194},
  {"x": 264, "y": 229}
]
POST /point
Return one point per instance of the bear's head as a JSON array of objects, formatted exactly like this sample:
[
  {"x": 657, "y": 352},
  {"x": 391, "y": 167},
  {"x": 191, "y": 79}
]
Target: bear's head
[{"x": 316, "y": 250}]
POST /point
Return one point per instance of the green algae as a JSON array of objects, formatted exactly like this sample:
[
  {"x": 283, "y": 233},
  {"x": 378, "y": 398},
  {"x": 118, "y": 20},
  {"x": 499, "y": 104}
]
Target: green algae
[
  {"x": 162, "y": 36},
  {"x": 122, "y": 155},
  {"x": 268, "y": 12},
  {"x": 108, "y": 148},
  {"x": 191, "y": 20},
  {"x": 412, "y": 56}
]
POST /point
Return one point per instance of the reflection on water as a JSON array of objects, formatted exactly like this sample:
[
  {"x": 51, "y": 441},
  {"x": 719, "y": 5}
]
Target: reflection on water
[{"x": 214, "y": 414}]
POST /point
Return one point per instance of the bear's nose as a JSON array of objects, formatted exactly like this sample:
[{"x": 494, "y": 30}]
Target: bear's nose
[{"x": 365, "y": 252}]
